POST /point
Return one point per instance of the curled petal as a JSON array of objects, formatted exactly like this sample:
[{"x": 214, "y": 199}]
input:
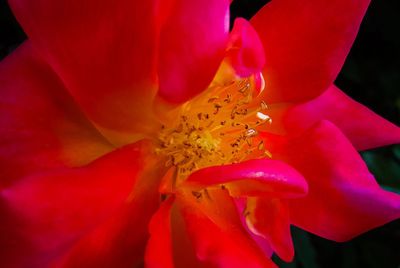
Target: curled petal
[
  {"x": 306, "y": 43},
  {"x": 245, "y": 51},
  {"x": 47, "y": 213},
  {"x": 192, "y": 44},
  {"x": 344, "y": 199},
  {"x": 252, "y": 178},
  {"x": 363, "y": 128}
]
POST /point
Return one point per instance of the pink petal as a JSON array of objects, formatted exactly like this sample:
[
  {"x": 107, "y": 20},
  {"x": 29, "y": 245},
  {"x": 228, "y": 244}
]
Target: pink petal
[
  {"x": 245, "y": 50},
  {"x": 46, "y": 213},
  {"x": 252, "y": 178},
  {"x": 192, "y": 45},
  {"x": 41, "y": 127},
  {"x": 104, "y": 53},
  {"x": 344, "y": 199},
  {"x": 306, "y": 43},
  {"x": 362, "y": 127}
]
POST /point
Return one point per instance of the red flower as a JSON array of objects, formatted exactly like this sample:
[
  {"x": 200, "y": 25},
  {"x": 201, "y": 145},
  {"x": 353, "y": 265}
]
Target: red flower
[{"x": 116, "y": 149}]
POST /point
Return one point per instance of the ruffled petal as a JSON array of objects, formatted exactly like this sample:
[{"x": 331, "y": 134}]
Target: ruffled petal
[
  {"x": 192, "y": 45},
  {"x": 44, "y": 214},
  {"x": 104, "y": 53},
  {"x": 41, "y": 126},
  {"x": 214, "y": 215},
  {"x": 245, "y": 50},
  {"x": 306, "y": 43},
  {"x": 252, "y": 178},
  {"x": 159, "y": 247},
  {"x": 363, "y": 128},
  {"x": 344, "y": 199}
]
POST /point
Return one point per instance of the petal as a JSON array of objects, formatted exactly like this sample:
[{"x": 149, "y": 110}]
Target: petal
[
  {"x": 120, "y": 241},
  {"x": 363, "y": 128},
  {"x": 192, "y": 44},
  {"x": 41, "y": 127},
  {"x": 270, "y": 219},
  {"x": 252, "y": 178},
  {"x": 214, "y": 216},
  {"x": 159, "y": 246},
  {"x": 47, "y": 213},
  {"x": 170, "y": 239},
  {"x": 263, "y": 244},
  {"x": 183, "y": 251},
  {"x": 104, "y": 53},
  {"x": 344, "y": 199},
  {"x": 306, "y": 43},
  {"x": 245, "y": 50}
]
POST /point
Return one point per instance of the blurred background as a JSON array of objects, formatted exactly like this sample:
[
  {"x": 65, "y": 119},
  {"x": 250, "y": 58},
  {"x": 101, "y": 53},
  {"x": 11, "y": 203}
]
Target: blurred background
[{"x": 371, "y": 75}]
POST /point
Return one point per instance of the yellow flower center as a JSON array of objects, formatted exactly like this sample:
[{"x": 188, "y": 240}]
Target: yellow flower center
[{"x": 216, "y": 128}]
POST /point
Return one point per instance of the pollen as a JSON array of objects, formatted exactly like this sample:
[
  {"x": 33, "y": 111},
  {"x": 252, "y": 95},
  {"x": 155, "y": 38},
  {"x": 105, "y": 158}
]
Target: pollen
[{"x": 218, "y": 127}]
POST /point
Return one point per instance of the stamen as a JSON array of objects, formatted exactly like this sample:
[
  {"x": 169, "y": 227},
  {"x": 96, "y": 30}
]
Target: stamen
[
  {"x": 264, "y": 117},
  {"x": 264, "y": 106},
  {"x": 251, "y": 132},
  {"x": 216, "y": 128}
]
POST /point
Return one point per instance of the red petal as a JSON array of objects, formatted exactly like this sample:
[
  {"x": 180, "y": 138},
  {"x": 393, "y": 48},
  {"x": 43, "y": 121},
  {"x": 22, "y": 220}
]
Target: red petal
[
  {"x": 46, "y": 213},
  {"x": 215, "y": 229},
  {"x": 41, "y": 127},
  {"x": 245, "y": 50},
  {"x": 252, "y": 178},
  {"x": 344, "y": 200},
  {"x": 263, "y": 244},
  {"x": 270, "y": 219},
  {"x": 364, "y": 128},
  {"x": 192, "y": 45},
  {"x": 103, "y": 52},
  {"x": 159, "y": 246},
  {"x": 305, "y": 43},
  {"x": 184, "y": 252},
  {"x": 120, "y": 240}
]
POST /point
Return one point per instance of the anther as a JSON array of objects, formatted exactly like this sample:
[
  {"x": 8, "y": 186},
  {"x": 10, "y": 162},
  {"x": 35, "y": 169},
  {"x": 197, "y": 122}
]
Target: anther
[
  {"x": 263, "y": 117},
  {"x": 196, "y": 194},
  {"x": 251, "y": 132},
  {"x": 263, "y": 105}
]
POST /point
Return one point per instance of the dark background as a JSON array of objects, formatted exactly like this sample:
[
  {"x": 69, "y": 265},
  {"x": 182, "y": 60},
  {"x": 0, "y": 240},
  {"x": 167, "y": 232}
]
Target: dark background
[{"x": 371, "y": 75}]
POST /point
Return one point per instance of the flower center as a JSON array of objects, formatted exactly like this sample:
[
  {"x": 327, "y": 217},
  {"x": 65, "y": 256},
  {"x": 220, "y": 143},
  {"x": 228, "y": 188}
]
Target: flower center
[{"x": 216, "y": 128}]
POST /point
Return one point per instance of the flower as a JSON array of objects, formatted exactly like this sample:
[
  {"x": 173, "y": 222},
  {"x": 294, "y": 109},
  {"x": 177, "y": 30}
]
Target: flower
[{"x": 139, "y": 131}]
